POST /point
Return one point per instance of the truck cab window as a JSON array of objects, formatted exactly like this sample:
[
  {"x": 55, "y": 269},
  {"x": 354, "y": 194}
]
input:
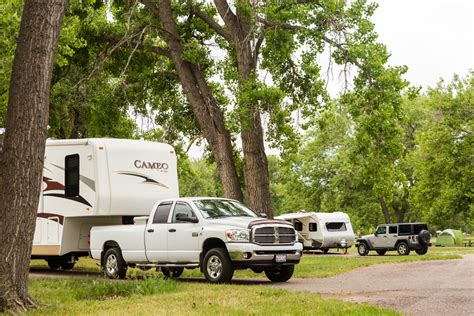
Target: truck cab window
[
  {"x": 182, "y": 210},
  {"x": 162, "y": 213},
  {"x": 71, "y": 175}
]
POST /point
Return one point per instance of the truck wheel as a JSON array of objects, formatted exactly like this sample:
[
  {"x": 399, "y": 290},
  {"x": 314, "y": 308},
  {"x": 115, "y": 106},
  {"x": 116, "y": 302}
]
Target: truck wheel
[
  {"x": 362, "y": 249},
  {"x": 114, "y": 265},
  {"x": 217, "y": 266},
  {"x": 67, "y": 265},
  {"x": 172, "y": 272},
  {"x": 280, "y": 274},
  {"x": 422, "y": 251},
  {"x": 403, "y": 249},
  {"x": 381, "y": 252}
]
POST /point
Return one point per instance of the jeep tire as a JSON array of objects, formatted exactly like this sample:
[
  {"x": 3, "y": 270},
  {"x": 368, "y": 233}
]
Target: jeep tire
[
  {"x": 422, "y": 251},
  {"x": 114, "y": 266},
  {"x": 403, "y": 249},
  {"x": 280, "y": 274},
  {"x": 363, "y": 249},
  {"x": 381, "y": 252},
  {"x": 217, "y": 266}
]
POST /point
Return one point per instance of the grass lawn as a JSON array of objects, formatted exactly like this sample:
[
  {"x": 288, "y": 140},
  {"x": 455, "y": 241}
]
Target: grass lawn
[
  {"x": 311, "y": 266},
  {"x": 154, "y": 295},
  {"x": 158, "y": 296}
]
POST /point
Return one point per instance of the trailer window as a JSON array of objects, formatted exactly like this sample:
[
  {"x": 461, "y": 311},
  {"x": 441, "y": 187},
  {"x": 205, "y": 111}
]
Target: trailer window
[
  {"x": 162, "y": 213},
  {"x": 336, "y": 227},
  {"x": 313, "y": 227},
  {"x": 71, "y": 175}
]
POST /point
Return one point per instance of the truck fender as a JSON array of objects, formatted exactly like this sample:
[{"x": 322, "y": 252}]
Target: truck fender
[
  {"x": 207, "y": 245},
  {"x": 107, "y": 245}
]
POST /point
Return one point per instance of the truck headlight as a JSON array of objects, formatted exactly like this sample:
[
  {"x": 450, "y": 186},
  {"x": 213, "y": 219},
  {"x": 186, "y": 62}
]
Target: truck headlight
[{"x": 237, "y": 235}]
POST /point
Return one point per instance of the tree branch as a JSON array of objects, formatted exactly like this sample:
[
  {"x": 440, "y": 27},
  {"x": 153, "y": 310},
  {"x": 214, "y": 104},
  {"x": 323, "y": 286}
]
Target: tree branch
[
  {"x": 167, "y": 74},
  {"x": 230, "y": 19},
  {"x": 212, "y": 24},
  {"x": 151, "y": 6}
]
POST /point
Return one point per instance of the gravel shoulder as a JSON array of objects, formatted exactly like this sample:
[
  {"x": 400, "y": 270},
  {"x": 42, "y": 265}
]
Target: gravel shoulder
[{"x": 438, "y": 287}]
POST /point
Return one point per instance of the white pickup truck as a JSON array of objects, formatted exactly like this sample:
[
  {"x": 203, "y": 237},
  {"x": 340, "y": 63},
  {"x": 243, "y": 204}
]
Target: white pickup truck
[{"x": 217, "y": 235}]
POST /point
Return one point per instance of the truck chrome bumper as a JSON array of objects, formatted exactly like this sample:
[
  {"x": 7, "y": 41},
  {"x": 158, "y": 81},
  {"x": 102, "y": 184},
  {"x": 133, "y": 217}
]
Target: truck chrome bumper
[{"x": 248, "y": 255}]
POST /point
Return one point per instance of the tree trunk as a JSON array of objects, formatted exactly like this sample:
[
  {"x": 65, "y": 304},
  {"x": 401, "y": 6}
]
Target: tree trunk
[
  {"x": 385, "y": 211},
  {"x": 257, "y": 184},
  {"x": 21, "y": 161},
  {"x": 205, "y": 107}
]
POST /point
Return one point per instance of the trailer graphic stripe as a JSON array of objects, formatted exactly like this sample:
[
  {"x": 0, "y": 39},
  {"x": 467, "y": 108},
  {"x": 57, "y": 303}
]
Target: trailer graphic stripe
[
  {"x": 87, "y": 181},
  {"x": 139, "y": 175},
  {"x": 78, "y": 199},
  {"x": 48, "y": 215}
]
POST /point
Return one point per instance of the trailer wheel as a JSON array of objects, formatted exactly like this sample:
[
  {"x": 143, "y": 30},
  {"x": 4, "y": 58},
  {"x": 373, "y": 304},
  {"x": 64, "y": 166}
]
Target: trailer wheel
[
  {"x": 67, "y": 265},
  {"x": 172, "y": 272},
  {"x": 114, "y": 265},
  {"x": 280, "y": 274},
  {"x": 217, "y": 266},
  {"x": 54, "y": 264}
]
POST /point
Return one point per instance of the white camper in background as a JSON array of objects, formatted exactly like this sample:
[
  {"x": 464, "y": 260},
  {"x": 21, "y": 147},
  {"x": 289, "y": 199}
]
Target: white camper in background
[
  {"x": 91, "y": 182},
  {"x": 322, "y": 231}
]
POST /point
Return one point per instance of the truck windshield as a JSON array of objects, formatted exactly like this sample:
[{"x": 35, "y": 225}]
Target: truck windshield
[{"x": 222, "y": 208}]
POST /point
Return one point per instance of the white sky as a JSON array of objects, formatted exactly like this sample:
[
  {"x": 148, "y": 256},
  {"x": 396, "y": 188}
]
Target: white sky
[{"x": 434, "y": 38}]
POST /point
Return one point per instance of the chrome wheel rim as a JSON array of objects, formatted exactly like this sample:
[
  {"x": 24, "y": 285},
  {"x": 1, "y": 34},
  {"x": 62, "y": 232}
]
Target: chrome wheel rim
[
  {"x": 214, "y": 267},
  {"x": 402, "y": 249},
  {"x": 111, "y": 265}
]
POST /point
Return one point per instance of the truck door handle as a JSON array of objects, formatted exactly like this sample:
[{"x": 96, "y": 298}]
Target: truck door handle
[
  {"x": 150, "y": 230},
  {"x": 172, "y": 230}
]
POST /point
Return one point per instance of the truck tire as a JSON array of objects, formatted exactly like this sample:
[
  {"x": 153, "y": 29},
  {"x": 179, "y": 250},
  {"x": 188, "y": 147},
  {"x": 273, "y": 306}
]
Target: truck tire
[
  {"x": 381, "y": 252},
  {"x": 422, "y": 251},
  {"x": 217, "y": 266},
  {"x": 172, "y": 272},
  {"x": 54, "y": 264},
  {"x": 363, "y": 249},
  {"x": 403, "y": 248},
  {"x": 114, "y": 265},
  {"x": 280, "y": 274}
]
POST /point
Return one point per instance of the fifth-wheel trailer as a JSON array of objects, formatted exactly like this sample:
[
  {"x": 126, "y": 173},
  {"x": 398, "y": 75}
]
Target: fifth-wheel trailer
[{"x": 97, "y": 182}]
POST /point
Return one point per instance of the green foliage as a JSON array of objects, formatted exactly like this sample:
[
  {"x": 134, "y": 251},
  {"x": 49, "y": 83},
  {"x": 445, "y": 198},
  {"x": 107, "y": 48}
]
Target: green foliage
[
  {"x": 444, "y": 160},
  {"x": 200, "y": 180}
]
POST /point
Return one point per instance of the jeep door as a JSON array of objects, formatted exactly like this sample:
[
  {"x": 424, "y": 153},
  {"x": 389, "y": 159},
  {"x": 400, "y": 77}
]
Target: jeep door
[
  {"x": 392, "y": 236},
  {"x": 183, "y": 235},
  {"x": 156, "y": 234},
  {"x": 381, "y": 237}
]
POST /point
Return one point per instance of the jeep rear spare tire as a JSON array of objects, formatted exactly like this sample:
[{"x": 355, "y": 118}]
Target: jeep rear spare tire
[
  {"x": 217, "y": 266},
  {"x": 424, "y": 237},
  {"x": 362, "y": 249},
  {"x": 280, "y": 274},
  {"x": 403, "y": 249}
]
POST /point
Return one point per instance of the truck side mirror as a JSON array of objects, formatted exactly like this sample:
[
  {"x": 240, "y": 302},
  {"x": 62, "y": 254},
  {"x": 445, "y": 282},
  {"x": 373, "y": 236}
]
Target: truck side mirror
[{"x": 184, "y": 218}]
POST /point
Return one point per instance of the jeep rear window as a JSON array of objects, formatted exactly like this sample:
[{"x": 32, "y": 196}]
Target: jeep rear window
[
  {"x": 392, "y": 229},
  {"x": 404, "y": 229},
  {"x": 336, "y": 227}
]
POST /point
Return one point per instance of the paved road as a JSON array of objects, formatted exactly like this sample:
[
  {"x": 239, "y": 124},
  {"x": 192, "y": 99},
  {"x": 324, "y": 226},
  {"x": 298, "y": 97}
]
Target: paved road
[{"x": 444, "y": 287}]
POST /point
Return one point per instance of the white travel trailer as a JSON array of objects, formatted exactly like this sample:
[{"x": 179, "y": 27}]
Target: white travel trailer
[
  {"x": 322, "y": 231},
  {"x": 90, "y": 182}
]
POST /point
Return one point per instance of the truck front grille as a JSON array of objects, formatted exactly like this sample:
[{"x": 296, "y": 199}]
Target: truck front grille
[{"x": 271, "y": 235}]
